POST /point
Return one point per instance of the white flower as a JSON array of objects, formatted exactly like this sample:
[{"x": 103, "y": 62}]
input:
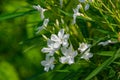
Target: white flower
[
  {"x": 87, "y": 55},
  {"x": 69, "y": 55},
  {"x": 51, "y": 48},
  {"x": 76, "y": 13},
  {"x": 41, "y": 10},
  {"x": 87, "y": 6},
  {"x": 83, "y": 48},
  {"x": 48, "y": 63},
  {"x": 45, "y": 23},
  {"x": 60, "y": 39}
]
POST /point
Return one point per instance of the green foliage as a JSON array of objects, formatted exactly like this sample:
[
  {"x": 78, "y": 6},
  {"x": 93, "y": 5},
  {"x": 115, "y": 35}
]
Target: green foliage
[{"x": 20, "y": 46}]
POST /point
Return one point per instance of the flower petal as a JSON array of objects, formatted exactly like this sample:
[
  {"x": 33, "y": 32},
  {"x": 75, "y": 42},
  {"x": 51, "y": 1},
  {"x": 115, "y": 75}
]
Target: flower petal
[
  {"x": 61, "y": 33},
  {"x": 56, "y": 45},
  {"x": 64, "y": 51},
  {"x": 50, "y": 43},
  {"x": 54, "y": 38},
  {"x": 46, "y": 68},
  {"x": 43, "y": 63},
  {"x": 63, "y": 59},
  {"x": 87, "y": 55},
  {"x": 45, "y": 50},
  {"x": 71, "y": 61},
  {"x": 87, "y": 7},
  {"x": 66, "y": 36},
  {"x": 65, "y": 44}
]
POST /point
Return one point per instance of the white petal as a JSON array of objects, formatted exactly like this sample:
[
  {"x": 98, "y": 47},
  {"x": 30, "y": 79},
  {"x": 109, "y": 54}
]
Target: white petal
[
  {"x": 75, "y": 53},
  {"x": 54, "y": 38},
  {"x": 83, "y": 47},
  {"x": 45, "y": 23},
  {"x": 79, "y": 6},
  {"x": 65, "y": 44},
  {"x": 87, "y": 7},
  {"x": 66, "y": 36},
  {"x": 46, "y": 68},
  {"x": 50, "y": 43},
  {"x": 45, "y": 50},
  {"x": 52, "y": 66},
  {"x": 87, "y": 55},
  {"x": 52, "y": 59},
  {"x": 43, "y": 63},
  {"x": 71, "y": 61},
  {"x": 56, "y": 45},
  {"x": 48, "y": 50},
  {"x": 61, "y": 33},
  {"x": 64, "y": 51},
  {"x": 63, "y": 59},
  {"x": 70, "y": 50},
  {"x": 74, "y": 19}
]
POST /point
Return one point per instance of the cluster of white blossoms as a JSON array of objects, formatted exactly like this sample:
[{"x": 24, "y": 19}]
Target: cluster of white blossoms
[
  {"x": 45, "y": 22},
  {"x": 79, "y": 6},
  {"x": 60, "y": 42}
]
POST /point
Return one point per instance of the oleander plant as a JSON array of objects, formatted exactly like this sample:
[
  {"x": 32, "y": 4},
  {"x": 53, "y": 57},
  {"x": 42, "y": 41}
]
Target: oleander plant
[{"x": 60, "y": 40}]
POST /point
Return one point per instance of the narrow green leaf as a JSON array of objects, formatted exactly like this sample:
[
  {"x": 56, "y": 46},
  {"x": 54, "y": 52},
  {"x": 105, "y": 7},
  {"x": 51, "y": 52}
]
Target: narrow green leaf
[
  {"x": 107, "y": 53},
  {"x": 14, "y": 15},
  {"x": 106, "y": 63},
  {"x": 62, "y": 71}
]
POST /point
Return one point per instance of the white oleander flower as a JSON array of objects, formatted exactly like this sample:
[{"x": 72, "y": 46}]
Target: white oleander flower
[
  {"x": 83, "y": 48},
  {"x": 41, "y": 10},
  {"x": 60, "y": 39},
  {"x": 76, "y": 13},
  {"x": 52, "y": 47},
  {"x": 48, "y": 63},
  {"x": 69, "y": 55},
  {"x": 45, "y": 23}
]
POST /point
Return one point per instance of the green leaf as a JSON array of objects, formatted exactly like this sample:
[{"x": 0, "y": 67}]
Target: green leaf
[
  {"x": 106, "y": 63},
  {"x": 62, "y": 71},
  {"x": 107, "y": 53},
  {"x": 14, "y": 15}
]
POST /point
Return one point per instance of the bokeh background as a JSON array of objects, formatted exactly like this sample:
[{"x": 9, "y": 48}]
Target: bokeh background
[
  {"x": 20, "y": 47},
  {"x": 19, "y": 51}
]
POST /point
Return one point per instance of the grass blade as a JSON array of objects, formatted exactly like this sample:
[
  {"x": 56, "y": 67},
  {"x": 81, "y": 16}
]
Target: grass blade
[
  {"x": 14, "y": 15},
  {"x": 106, "y": 63}
]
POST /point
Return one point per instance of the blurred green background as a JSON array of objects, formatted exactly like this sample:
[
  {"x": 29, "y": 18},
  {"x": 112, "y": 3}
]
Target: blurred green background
[
  {"x": 20, "y": 47},
  {"x": 19, "y": 51}
]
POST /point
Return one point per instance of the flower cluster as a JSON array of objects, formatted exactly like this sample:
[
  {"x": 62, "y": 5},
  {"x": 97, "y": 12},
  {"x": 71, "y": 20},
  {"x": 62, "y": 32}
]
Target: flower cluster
[
  {"x": 79, "y": 6},
  {"x": 60, "y": 42}
]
